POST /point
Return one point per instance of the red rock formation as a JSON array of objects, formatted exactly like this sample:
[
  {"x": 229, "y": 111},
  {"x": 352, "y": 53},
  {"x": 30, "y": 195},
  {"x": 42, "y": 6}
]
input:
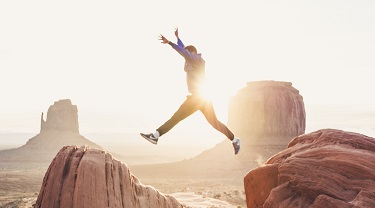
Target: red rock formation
[
  {"x": 267, "y": 108},
  {"x": 81, "y": 177},
  {"x": 326, "y": 168}
]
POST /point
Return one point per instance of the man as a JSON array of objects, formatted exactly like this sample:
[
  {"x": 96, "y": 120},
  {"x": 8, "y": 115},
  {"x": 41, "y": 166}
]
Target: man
[{"x": 195, "y": 72}]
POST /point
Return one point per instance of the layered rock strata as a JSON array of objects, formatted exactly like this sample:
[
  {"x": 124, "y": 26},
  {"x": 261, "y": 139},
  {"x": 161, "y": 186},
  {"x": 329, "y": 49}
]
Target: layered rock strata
[
  {"x": 326, "y": 168},
  {"x": 82, "y": 177}
]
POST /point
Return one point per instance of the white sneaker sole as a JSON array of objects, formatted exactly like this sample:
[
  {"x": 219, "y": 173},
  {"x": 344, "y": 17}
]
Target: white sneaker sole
[
  {"x": 148, "y": 139},
  {"x": 239, "y": 147}
]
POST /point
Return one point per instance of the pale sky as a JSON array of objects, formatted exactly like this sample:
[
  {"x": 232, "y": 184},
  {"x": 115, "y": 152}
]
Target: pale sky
[{"x": 106, "y": 57}]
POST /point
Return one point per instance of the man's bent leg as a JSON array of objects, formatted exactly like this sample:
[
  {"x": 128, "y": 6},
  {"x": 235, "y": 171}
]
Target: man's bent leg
[
  {"x": 186, "y": 109},
  {"x": 209, "y": 112}
]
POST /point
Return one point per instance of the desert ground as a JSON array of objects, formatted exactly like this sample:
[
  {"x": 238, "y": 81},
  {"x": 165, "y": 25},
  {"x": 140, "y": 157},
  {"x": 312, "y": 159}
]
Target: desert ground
[
  {"x": 20, "y": 188},
  {"x": 20, "y": 184}
]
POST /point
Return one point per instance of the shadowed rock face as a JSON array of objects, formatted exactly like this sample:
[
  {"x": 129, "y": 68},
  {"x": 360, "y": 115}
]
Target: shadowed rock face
[
  {"x": 326, "y": 168},
  {"x": 81, "y": 177},
  {"x": 267, "y": 108}
]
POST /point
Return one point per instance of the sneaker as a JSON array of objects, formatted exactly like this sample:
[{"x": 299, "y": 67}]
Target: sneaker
[
  {"x": 236, "y": 146},
  {"x": 150, "y": 138}
]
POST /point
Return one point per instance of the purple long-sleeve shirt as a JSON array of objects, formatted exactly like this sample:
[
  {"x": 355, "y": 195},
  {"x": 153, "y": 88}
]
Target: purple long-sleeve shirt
[{"x": 194, "y": 67}]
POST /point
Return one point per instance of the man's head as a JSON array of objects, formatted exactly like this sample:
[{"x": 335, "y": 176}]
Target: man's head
[{"x": 191, "y": 49}]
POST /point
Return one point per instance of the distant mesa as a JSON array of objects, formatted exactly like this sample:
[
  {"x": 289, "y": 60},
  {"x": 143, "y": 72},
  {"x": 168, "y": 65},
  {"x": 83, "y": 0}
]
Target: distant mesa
[
  {"x": 83, "y": 177},
  {"x": 267, "y": 108},
  {"x": 265, "y": 115},
  {"x": 326, "y": 168},
  {"x": 62, "y": 115},
  {"x": 60, "y": 129}
]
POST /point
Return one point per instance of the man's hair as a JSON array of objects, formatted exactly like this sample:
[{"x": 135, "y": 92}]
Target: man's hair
[{"x": 191, "y": 49}]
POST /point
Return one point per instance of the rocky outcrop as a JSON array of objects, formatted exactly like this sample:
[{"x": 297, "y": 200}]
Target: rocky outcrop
[
  {"x": 326, "y": 168},
  {"x": 62, "y": 115},
  {"x": 82, "y": 177},
  {"x": 267, "y": 108}
]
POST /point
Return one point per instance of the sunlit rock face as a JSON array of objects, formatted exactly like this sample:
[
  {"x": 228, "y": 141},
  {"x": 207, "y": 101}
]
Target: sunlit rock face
[
  {"x": 82, "y": 177},
  {"x": 62, "y": 115},
  {"x": 267, "y": 108},
  {"x": 326, "y": 168}
]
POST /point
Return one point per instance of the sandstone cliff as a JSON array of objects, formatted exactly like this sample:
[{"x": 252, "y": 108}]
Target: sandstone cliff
[
  {"x": 267, "y": 108},
  {"x": 82, "y": 177},
  {"x": 326, "y": 168}
]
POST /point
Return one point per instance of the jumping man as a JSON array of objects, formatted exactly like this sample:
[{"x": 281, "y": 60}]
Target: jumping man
[{"x": 195, "y": 72}]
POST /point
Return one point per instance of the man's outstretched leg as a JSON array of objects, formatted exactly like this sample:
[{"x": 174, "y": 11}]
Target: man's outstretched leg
[
  {"x": 186, "y": 109},
  {"x": 209, "y": 112}
]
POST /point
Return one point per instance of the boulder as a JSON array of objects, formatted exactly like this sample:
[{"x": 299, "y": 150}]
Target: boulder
[
  {"x": 267, "y": 108},
  {"x": 326, "y": 168},
  {"x": 82, "y": 177}
]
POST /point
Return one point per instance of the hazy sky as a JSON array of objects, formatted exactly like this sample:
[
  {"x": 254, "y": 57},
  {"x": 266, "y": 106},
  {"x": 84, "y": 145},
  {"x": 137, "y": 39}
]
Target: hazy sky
[{"x": 106, "y": 57}]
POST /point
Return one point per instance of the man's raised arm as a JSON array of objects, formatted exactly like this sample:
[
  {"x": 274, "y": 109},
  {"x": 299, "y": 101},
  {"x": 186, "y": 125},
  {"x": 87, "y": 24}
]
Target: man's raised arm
[
  {"x": 179, "y": 42},
  {"x": 182, "y": 51}
]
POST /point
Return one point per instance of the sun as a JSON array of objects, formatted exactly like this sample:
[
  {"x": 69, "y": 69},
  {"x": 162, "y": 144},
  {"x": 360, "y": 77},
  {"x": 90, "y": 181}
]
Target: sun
[{"x": 219, "y": 94}]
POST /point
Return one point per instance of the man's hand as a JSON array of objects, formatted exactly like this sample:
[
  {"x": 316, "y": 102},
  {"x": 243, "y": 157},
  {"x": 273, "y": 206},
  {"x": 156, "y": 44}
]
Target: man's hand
[
  {"x": 163, "y": 39},
  {"x": 176, "y": 32}
]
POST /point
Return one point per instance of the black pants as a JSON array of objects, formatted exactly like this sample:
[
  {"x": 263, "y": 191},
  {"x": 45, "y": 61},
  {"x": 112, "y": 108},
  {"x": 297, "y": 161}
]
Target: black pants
[{"x": 190, "y": 106}]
